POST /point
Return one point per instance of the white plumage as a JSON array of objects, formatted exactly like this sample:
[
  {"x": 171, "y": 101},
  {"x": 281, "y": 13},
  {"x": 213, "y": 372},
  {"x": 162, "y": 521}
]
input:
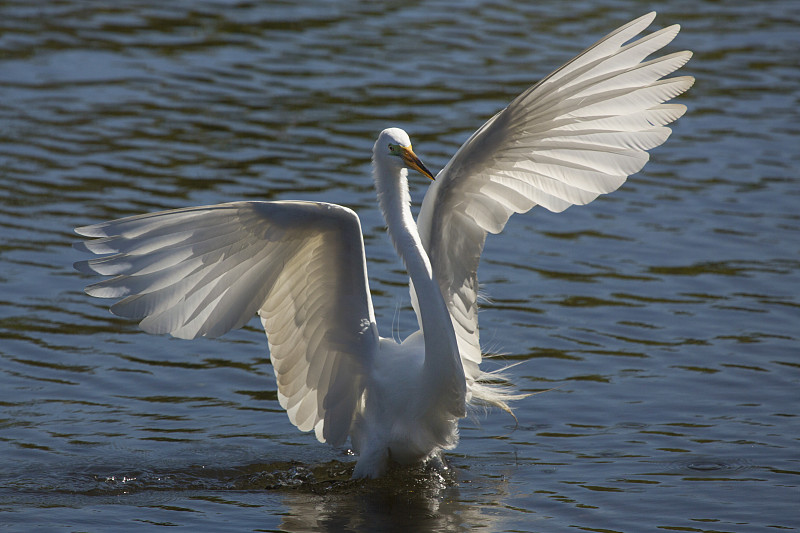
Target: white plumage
[{"x": 300, "y": 266}]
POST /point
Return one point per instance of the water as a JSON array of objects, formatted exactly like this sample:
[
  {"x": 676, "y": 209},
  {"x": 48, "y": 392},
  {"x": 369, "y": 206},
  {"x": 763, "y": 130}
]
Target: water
[{"x": 664, "y": 317}]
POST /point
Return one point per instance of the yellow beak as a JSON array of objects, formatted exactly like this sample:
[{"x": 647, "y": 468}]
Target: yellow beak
[{"x": 412, "y": 161}]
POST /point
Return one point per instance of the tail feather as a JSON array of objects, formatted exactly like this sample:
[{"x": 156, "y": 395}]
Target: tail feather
[{"x": 493, "y": 389}]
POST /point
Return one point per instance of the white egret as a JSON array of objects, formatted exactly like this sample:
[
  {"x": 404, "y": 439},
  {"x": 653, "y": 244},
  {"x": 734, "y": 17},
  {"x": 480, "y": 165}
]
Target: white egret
[{"x": 300, "y": 266}]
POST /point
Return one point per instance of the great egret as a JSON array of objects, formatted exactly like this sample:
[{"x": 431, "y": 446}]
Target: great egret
[{"x": 202, "y": 271}]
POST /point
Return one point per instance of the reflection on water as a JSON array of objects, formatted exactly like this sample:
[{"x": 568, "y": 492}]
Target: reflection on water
[
  {"x": 664, "y": 317},
  {"x": 404, "y": 501}
]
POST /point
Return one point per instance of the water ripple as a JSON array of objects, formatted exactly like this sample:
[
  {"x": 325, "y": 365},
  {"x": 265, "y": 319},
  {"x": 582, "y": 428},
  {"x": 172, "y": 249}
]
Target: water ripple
[{"x": 661, "y": 320}]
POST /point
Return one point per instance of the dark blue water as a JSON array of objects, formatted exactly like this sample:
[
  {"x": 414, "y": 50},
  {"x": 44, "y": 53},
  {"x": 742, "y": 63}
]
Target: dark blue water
[{"x": 665, "y": 317}]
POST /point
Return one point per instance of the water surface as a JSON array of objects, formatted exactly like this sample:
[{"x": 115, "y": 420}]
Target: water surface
[{"x": 664, "y": 317}]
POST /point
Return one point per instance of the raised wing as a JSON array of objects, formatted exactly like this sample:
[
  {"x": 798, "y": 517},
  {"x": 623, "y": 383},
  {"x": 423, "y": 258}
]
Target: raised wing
[
  {"x": 203, "y": 271},
  {"x": 578, "y": 133}
]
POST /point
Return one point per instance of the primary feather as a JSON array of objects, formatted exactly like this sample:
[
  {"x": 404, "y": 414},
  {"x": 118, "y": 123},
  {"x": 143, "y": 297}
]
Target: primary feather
[
  {"x": 578, "y": 133},
  {"x": 202, "y": 271}
]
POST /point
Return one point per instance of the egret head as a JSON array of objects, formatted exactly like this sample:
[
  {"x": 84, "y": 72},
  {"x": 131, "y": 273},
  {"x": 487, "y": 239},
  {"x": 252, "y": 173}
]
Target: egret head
[{"x": 395, "y": 143}]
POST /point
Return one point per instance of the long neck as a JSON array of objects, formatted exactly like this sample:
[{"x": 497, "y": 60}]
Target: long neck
[
  {"x": 395, "y": 204},
  {"x": 442, "y": 358}
]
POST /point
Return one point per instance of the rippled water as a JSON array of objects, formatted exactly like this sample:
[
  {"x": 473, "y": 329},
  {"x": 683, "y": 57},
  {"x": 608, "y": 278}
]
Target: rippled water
[{"x": 665, "y": 316}]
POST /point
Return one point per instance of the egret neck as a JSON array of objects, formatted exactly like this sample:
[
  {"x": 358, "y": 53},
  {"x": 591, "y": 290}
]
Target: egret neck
[{"x": 442, "y": 359}]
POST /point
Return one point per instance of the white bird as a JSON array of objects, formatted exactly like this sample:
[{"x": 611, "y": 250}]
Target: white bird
[{"x": 300, "y": 266}]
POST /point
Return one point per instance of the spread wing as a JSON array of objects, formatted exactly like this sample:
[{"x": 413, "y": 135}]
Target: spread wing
[
  {"x": 578, "y": 133},
  {"x": 300, "y": 266}
]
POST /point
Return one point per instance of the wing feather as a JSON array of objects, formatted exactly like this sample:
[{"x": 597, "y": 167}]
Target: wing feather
[
  {"x": 578, "y": 133},
  {"x": 299, "y": 265}
]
